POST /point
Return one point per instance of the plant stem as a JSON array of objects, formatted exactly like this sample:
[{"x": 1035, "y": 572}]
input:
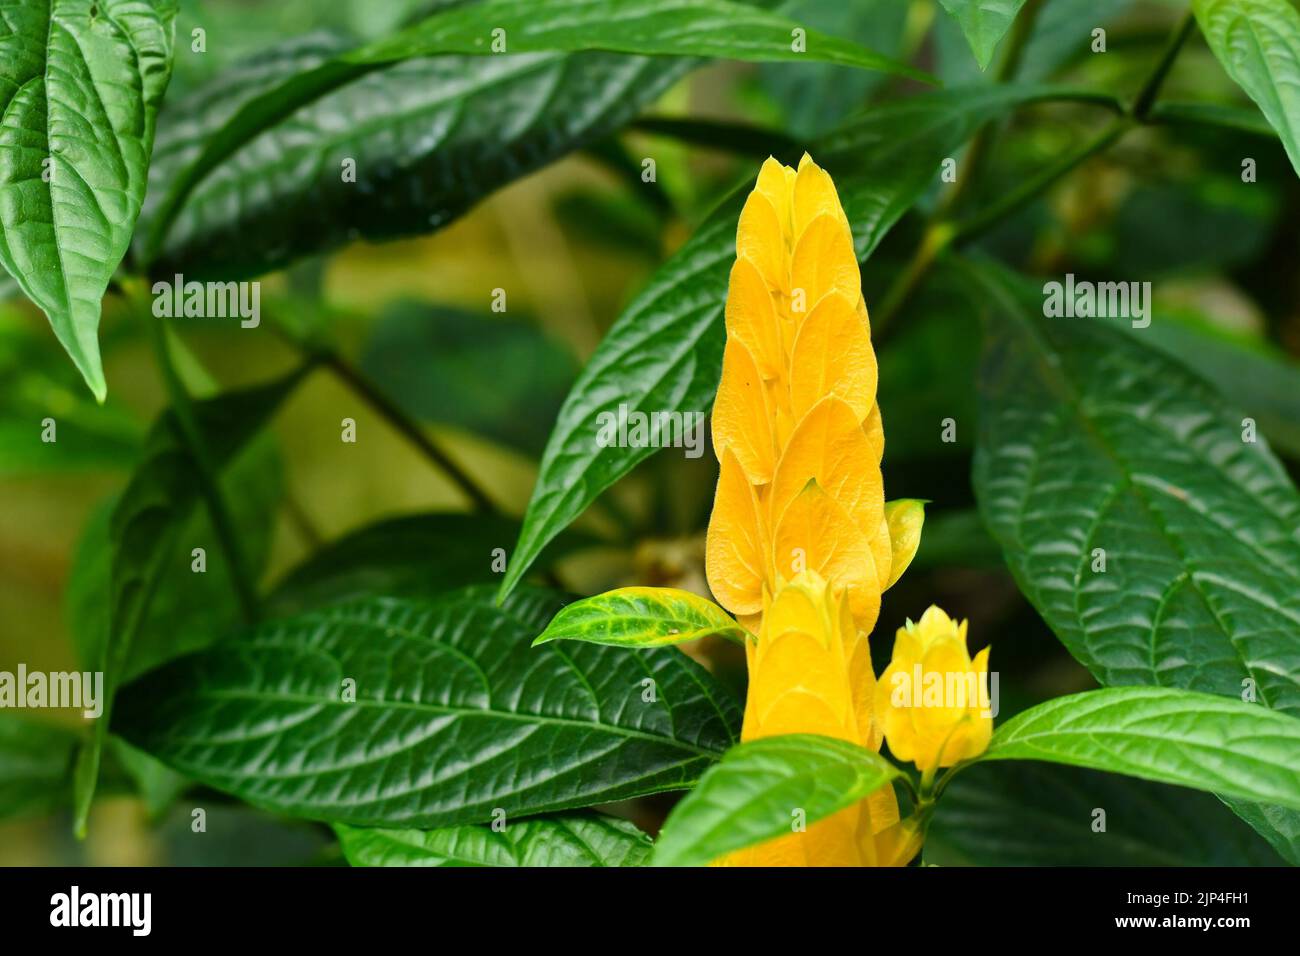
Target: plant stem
[
  {"x": 183, "y": 409},
  {"x": 942, "y": 233},
  {"x": 409, "y": 428},
  {"x": 1146, "y": 97}
]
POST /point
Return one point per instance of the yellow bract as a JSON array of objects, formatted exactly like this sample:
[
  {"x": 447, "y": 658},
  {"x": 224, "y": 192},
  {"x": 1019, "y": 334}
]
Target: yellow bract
[
  {"x": 801, "y": 542},
  {"x": 933, "y": 699},
  {"x": 810, "y": 672},
  {"x": 796, "y": 428}
]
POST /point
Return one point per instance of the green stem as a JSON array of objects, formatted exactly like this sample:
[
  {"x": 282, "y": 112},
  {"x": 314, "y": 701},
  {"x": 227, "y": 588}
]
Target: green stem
[
  {"x": 942, "y": 233},
  {"x": 1146, "y": 96},
  {"x": 183, "y": 409},
  {"x": 409, "y": 428}
]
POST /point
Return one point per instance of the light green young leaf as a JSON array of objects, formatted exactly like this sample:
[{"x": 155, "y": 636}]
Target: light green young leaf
[
  {"x": 1166, "y": 735},
  {"x": 705, "y": 28},
  {"x": 984, "y": 22},
  {"x": 565, "y": 839},
  {"x": 1258, "y": 43},
  {"x": 403, "y": 713},
  {"x": 641, "y": 617},
  {"x": 80, "y": 87},
  {"x": 748, "y": 797}
]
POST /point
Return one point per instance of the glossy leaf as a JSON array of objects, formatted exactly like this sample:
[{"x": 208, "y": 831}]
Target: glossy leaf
[
  {"x": 1037, "y": 814},
  {"x": 1089, "y": 440},
  {"x": 80, "y": 87},
  {"x": 250, "y": 175},
  {"x": 144, "y": 536},
  {"x": 1166, "y": 735},
  {"x": 664, "y": 353},
  {"x": 984, "y": 23},
  {"x": 642, "y": 617},
  {"x": 566, "y": 839},
  {"x": 455, "y": 715},
  {"x": 1258, "y": 43},
  {"x": 750, "y": 796},
  {"x": 704, "y": 28}
]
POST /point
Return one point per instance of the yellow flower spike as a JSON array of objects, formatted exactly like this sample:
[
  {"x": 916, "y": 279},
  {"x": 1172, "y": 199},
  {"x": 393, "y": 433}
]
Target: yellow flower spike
[
  {"x": 810, "y": 672},
  {"x": 933, "y": 699},
  {"x": 797, "y": 404}
]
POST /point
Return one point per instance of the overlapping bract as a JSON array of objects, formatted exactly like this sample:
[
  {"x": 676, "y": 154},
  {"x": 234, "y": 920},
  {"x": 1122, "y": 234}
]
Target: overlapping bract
[
  {"x": 809, "y": 631},
  {"x": 796, "y": 427},
  {"x": 933, "y": 700},
  {"x": 801, "y": 543}
]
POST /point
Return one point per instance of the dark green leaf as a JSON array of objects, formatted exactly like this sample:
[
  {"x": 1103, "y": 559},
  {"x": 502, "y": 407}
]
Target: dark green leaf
[
  {"x": 751, "y": 796},
  {"x": 567, "y": 839},
  {"x": 144, "y": 536},
  {"x": 1029, "y": 814},
  {"x": 984, "y": 22},
  {"x": 80, "y": 86},
  {"x": 1166, "y": 735},
  {"x": 1089, "y": 440},
  {"x": 703, "y": 28},
  {"x": 248, "y": 189},
  {"x": 187, "y": 610},
  {"x": 1258, "y": 43},
  {"x": 664, "y": 353},
  {"x": 641, "y": 617},
  {"x": 455, "y": 714}
]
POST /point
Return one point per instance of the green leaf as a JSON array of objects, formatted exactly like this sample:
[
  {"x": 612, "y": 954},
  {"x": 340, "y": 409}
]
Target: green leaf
[
  {"x": 144, "y": 537},
  {"x": 1089, "y": 440},
  {"x": 751, "y": 795},
  {"x": 35, "y": 766},
  {"x": 1166, "y": 735},
  {"x": 232, "y": 198},
  {"x": 80, "y": 86},
  {"x": 187, "y": 611},
  {"x": 664, "y": 353},
  {"x": 704, "y": 28},
  {"x": 493, "y": 375},
  {"x": 418, "y": 556},
  {"x": 455, "y": 715},
  {"x": 984, "y": 22},
  {"x": 1032, "y": 814},
  {"x": 567, "y": 839},
  {"x": 36, "y": 383},
  {"x": 1258, "y": 43},
  {"x": 641, "y": 617}
]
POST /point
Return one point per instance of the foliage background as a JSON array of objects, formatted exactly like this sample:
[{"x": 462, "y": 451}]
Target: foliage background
[{"x": 573, "y": 244}]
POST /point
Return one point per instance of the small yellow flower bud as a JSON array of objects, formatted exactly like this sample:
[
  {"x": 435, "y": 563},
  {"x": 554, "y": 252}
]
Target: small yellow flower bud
[{"x": 933, "y": 700}]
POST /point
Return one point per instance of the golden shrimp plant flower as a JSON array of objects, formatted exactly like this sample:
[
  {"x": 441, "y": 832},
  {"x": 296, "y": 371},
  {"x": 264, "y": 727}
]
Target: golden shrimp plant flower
[
  {"x": 801, "y": 543},
  {"x": 932, "y": 699}
]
